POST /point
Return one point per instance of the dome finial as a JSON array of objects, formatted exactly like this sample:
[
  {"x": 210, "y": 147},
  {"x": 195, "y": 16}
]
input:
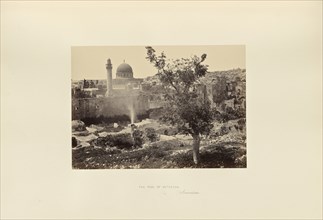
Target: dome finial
[{"x": 124, "y": 60}]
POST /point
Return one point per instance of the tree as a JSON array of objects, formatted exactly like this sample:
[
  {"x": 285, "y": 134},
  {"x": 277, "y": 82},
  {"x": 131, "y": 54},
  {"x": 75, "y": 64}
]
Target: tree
[
  {"x": 92, "y": 85},
  {"x": 85, "y": 84},
  {"x": 186, "y": 104}
]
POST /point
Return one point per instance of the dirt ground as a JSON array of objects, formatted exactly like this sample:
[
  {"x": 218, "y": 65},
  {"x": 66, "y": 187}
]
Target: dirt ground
[{"x": 94, "y": 150}]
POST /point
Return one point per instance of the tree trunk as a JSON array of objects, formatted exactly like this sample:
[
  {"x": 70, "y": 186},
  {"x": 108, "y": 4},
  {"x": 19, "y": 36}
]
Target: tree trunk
[{"x": 196, "y": 148}]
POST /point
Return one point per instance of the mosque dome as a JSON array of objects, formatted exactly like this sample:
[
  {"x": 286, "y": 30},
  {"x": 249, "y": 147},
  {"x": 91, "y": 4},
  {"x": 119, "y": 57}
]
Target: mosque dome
[{"x": 124, "y": 70}]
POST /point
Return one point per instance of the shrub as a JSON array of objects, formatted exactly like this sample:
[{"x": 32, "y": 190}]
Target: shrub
[
  {"x": 230, "y": 114},
  {"x": 120, "y": 141},
  {"x": 151, "y": 134},
  {"x": 137, "y": 138}
]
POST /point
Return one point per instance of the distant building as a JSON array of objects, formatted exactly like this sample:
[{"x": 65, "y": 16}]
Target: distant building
[
  {"x": 110, "y": 97},
  {"x": 124, "y": 79}
]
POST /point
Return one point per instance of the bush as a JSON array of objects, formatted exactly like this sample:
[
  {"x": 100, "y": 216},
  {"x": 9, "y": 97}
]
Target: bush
[
  {"x": 151, "y": 134},
  {"x": 138, "y": 138},
  {"x": 120, "y": 141},
  {"x": 230, "y": 114}
]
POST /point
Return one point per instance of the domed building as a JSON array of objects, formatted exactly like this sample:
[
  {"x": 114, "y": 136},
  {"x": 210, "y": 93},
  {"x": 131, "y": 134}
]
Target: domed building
[
  {"x": 118, "y": 95},
  {"x": 124, "y": 80},
  {"x": 124, "y": 71}
]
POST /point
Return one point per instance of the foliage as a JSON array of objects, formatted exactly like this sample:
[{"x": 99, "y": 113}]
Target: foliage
[
  {"x": 151, "y": 134},
  {"x": 186, "y": 107},
  {"x": 161, "y": 154},
  {"x": 230, "y": 114},
  {"x": 89, "y": 84},
  {"x": 138, "y": 138},
  {"x": 121, "y": 141},
  {"x": 220, "y": 91}
]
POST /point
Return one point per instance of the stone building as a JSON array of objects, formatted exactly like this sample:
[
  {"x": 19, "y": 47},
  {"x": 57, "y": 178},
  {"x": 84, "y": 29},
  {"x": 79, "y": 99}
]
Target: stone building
[
  {"x": 110, "y": 97},
  {"x": 124, "y": 79}
]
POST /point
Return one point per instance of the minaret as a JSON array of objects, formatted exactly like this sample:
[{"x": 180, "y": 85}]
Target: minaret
[{"x": 109, "y": 78}]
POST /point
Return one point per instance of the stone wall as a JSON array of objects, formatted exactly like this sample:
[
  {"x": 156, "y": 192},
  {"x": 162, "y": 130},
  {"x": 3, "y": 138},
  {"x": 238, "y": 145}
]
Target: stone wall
[{"x": 108, "y": 106}]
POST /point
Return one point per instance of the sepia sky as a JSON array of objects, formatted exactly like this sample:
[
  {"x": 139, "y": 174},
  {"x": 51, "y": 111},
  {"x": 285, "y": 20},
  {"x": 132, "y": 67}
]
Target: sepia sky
[{"x": 88, "y": 62}]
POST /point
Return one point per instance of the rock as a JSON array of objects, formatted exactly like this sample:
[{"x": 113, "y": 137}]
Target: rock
[
  {"x": 115, "y": 125},
  {"x": 84, "y": 144},
  {"x": 145, "y": 146},
  {"x": 91, "y": 130},
  {"x": 143, "y": 122},
  {"x": 78, "y": 125},
  {"x": 98, "y": 128},
  {"x": 87, "y": 138},
  {"x": 103, "y": 134}
]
